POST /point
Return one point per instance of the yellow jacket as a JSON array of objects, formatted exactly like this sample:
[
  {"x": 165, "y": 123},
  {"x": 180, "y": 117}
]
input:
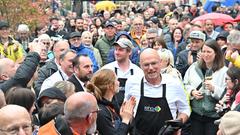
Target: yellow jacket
[
  {"x": 135, "y": 38},
  {"x": 15, "y": 55},
  {"x": 235, "y": 62}
]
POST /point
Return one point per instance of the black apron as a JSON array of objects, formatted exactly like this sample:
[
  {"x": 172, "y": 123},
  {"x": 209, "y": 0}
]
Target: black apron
[
  {"x": 152, "y": 113},
  {"x": 119, "y": 97}
]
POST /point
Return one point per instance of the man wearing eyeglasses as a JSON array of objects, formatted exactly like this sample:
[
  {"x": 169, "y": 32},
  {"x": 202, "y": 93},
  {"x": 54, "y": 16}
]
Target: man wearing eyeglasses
[
  {"x": 9, "y": 48},
  {"x": 15, "y": 120},
  {"x": 151, "y": 36},
  {"x": 137, "y": 30},
  {"x": 159, "y": 97},
  {"x": 80, "y": 114},
  {"x": 233, "y": 51}
]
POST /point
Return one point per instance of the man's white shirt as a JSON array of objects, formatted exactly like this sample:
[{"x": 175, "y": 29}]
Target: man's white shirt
[
  {"x": 175, "y": 95},
  {"x": 55, "y": 77},
  {"x": 121, "y": 74}
]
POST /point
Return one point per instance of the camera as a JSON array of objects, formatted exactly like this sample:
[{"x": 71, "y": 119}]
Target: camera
[
  {"x": 224, "y": 109},
  {"x": 194, "y": 52}
]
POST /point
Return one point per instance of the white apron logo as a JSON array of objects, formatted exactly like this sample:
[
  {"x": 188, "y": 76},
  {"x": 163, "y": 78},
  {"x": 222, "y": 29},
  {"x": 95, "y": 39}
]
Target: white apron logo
[{"x": 152, "y": 109}]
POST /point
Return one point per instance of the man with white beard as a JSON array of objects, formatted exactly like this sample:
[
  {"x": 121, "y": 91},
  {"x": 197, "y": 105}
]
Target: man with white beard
[{"x": 80, "y": 114}]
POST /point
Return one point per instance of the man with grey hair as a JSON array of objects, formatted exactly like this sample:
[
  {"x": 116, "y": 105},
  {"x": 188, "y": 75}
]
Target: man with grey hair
[
  {"x": 232, "y": 54},
  {"x": 52, "y": 65},
  {"x": 80, "y": 114},
  {"x": 64, "y": 71},
  {"x": 137, "y": 30},
  {"x": 23, "y": 36},
  {"x": 15, "y": 120},
  {"x": 159, "y": 97},
  {"x": 151, "y": 36}
]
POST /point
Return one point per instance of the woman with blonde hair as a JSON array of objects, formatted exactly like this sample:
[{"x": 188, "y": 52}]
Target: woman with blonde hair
[
  {"x": 104, "y": 85},
  {"x": 167, "y": 63},
  {"x": 87, "y": 39},
  {"x": 143, "y": 42},
  {"x": 68, "y": 88}
]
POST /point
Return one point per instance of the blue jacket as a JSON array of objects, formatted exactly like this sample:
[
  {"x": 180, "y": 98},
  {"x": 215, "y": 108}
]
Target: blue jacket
[
  {"x": 83, "y": 50},
  {"x": 175, "y": 51}
]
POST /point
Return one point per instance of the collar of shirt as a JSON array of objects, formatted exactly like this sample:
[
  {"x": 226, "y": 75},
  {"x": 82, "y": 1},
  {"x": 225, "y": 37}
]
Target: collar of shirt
[
  {"x": 117, "y": 66},
  {"x": 163, "y": 81},
  {"x": 82, "y": 84},
  {"x": 74, "y": 132},
  {"x": 58, "y": 66},
  {"x": 213, "y": 34},
  {"x": 63, "y": 74}
]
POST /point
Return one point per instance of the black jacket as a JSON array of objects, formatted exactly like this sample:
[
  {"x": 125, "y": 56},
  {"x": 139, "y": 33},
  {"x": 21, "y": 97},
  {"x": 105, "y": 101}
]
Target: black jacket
[
  {"x": 106, "y": 120},
  {"x": 23, "y": 74},
  {"x": 60, "y": 33},
  {"x": 44, "y": 72},
  {"x": 78, "y": 86},
  {"x": 182, "y": 61}
]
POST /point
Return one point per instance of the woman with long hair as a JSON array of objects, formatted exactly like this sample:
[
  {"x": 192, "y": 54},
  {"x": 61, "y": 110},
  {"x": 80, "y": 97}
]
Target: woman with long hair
[
  {"x": 205, "y": 82},
  {"x": 21, "y": 96},
  {"x": 231, "y": 97},
  {"x": 177, "y": 39},
  {"x": 104, "y": 85}
]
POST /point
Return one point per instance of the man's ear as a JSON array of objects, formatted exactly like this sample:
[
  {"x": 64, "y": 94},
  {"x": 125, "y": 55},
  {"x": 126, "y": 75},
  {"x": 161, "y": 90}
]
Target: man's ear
[
  {"x": 60, "y": 62},
  {"x": 89, "y": 117},
  {"x": 75, "y": 69},
  {"x": 130, "y": 52},
  {"x": 236, "y": 81},
  {"x": 110, "y": 86}
]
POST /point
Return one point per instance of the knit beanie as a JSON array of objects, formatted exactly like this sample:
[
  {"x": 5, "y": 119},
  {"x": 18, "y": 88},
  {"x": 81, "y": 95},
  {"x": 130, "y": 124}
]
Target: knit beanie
[
  {"x": 53, "y": 93},
  {"x": 230, "y": 123}
]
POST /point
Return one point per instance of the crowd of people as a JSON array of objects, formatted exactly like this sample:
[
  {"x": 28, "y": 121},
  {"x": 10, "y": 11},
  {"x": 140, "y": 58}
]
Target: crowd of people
[{"x": 143, "y": 71}]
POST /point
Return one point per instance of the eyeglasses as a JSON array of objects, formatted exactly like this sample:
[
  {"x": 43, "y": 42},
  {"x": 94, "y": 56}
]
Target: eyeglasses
[
  {"x": 150, "y": 38},
  {"x": 138, "y": 24},
  {"x": 46, "y": 43},
  {"x": 4, "y": 28},
  {"x": 147, "y": 65},
  {"x": 226, "y": 78},
  {"x": 15, "y": 130},
  {"x": 96, "y": 111}
]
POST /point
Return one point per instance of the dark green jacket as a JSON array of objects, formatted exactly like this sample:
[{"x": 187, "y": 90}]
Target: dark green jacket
[{"x": 104, "y": 45}]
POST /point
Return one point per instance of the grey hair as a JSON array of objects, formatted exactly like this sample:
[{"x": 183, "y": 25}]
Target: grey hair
[
  {"x": 234, "y": 37},
  {"x": 62, "y": 56},
  {"x": 78, "y": 112},
  {"x": 152, "y": 30},
  {"x": 65, "y": 86},
  {"x": 23, "y": 27}
]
